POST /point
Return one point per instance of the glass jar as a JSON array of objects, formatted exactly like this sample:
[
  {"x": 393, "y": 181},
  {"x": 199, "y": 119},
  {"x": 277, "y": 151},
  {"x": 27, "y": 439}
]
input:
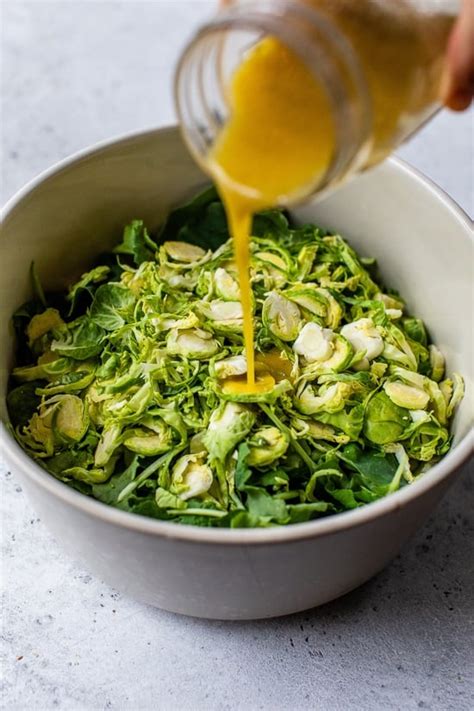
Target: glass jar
[{"x": 380, "y": 63}]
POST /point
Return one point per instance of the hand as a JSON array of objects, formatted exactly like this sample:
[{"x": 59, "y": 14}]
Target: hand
[{"x": 458, "y": 88}]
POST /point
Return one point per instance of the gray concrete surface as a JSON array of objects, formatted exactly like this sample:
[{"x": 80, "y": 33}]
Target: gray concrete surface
[{"x": 78, "y": 72}]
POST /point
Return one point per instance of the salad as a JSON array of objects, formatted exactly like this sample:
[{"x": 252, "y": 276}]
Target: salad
[{"x": 127, "y": 386}]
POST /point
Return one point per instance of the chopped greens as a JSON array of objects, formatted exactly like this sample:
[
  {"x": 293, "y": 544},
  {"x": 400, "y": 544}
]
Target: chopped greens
[{"x": 120, "y": 385}]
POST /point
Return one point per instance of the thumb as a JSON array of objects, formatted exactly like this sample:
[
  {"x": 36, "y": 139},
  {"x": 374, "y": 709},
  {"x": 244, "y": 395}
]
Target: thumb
[{"x": 458, "y": 86}]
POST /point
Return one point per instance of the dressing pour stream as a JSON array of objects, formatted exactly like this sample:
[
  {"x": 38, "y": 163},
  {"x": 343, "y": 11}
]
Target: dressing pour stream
[{"x": 300, "y": 132}]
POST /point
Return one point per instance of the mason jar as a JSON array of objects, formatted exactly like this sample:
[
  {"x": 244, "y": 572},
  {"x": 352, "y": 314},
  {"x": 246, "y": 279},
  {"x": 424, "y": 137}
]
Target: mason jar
[{"x": 379, "y": 62}]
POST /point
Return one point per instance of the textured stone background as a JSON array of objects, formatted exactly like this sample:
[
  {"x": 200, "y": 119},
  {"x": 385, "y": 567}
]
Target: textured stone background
[{"x": 78, "y": 72}]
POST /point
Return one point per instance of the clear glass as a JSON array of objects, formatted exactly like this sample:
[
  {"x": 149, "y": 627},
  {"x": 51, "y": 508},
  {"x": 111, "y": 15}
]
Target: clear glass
[{"x": 379, "y": 61}]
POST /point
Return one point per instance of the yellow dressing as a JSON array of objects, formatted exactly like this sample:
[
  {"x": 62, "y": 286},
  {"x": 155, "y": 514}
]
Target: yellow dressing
[
  {"x": 401, "y": 55},
  {"x": 279, "y": 114},
  {"x": 270, "y": 368},
  {"x": 280, "y": 135},
  {"x": 273, "y": 363},
  {"x": 280, "y": 138},
  {"x": 239, "y": 385},
  {"x": 239, "y": 215}
]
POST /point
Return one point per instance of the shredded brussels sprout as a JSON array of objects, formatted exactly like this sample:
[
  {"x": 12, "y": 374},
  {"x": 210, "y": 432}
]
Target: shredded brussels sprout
[{"x": 124, "y": 386}]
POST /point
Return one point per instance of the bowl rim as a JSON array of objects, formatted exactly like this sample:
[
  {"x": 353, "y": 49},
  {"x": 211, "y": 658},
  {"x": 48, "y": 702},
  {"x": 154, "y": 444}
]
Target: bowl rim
[{"x": 336, "y": 523}]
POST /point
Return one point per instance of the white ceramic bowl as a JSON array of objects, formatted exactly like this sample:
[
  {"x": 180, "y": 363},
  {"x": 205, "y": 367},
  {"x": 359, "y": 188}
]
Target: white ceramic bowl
[{"x": 424, "y": 246}]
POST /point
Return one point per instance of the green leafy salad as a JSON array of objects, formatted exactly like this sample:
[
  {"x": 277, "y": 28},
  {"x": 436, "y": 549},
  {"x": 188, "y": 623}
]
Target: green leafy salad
[{"x": 121, "y": 388}]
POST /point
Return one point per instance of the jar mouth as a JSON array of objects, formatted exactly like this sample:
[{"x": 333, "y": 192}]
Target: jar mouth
[{"x": 201, "y": 86}]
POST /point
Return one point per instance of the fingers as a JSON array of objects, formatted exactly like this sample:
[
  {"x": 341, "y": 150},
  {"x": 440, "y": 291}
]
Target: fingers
[{"x": 458, "y": 89}]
